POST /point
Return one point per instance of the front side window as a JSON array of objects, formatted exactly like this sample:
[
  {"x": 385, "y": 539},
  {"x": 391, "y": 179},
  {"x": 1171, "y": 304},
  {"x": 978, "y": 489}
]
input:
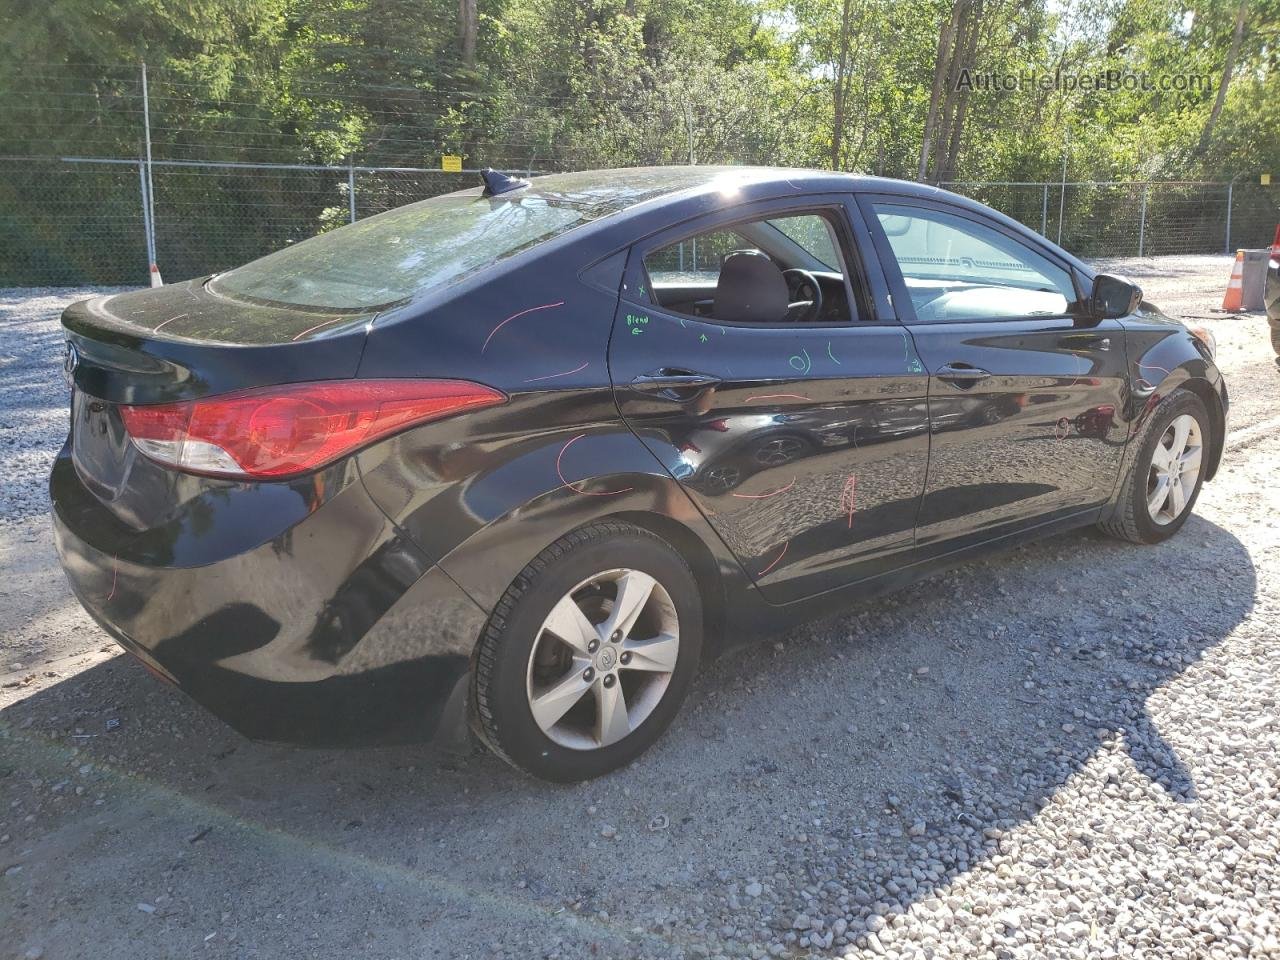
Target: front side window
[
  {"x": 958, "y": 269},
  {"x": 769, "y": 270},
  {"x": 375, "y": 263}
]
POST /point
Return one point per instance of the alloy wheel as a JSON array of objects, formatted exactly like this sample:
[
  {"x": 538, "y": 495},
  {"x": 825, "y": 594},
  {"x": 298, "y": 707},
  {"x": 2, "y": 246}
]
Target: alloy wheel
[
  {"x": 603, "y": 659},
  {"x": 1174, "y": 470}
]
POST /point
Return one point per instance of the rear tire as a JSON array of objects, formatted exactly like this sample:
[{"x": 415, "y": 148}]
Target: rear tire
[
  {"x": 575, "y": 675},
  {"x": 1175, "y": 436}
]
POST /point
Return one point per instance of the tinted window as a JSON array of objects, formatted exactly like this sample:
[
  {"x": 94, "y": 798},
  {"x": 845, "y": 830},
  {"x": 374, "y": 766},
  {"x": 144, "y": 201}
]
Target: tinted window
[
  {"x": 959, "y": 269},
  {"x": 696, "y": 260},
  {"x": 814, "y": 234},
  {"x": 686, "y": 276},
  {"x": 389, "y": 258}
]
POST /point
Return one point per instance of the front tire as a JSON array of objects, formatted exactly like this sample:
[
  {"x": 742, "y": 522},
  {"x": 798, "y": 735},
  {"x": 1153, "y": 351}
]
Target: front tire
[
  {"x": 589, "y": 653},
  {"x": 1160, "y": 491}
]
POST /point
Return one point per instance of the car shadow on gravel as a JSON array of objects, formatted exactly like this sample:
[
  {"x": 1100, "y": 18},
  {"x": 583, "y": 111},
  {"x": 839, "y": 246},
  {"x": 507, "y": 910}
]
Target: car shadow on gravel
[{"x": 814, "y": 787}]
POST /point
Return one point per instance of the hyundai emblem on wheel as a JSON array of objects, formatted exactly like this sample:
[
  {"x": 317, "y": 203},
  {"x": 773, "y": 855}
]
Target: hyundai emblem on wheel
[{"x": 70, "y": 360}]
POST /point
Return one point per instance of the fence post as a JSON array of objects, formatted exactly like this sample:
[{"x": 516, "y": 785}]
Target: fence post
[
  {"x": 153, "y": 270},
  {"x": 143, "y": 193},
  {"x": 351, "y": 189},
  {"x": 688, "y": 119},
  {"x": 1142, "y": 218},
  {"x": 1230, "y": 189},
  {"x": 1044, "y": 213},
  {"x": 1062, "y": 200}
]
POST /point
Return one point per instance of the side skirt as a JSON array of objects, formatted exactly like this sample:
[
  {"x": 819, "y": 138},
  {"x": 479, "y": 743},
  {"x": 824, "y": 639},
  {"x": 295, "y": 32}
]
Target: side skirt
[{"x": 752, "y": 616}]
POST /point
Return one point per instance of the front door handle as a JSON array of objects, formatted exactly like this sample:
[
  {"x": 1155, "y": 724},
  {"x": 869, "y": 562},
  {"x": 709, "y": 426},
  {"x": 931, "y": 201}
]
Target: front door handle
[
  {"x": 673, "y": 383},
  {"x": 961, "y": 374}
]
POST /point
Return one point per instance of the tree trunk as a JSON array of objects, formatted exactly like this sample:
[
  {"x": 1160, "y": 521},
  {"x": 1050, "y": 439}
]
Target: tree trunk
[
  {"x": 837, "y": 122},
  {"x": 966, "y": 52},
  {"x": 1227, "y": 69},
  {"x": 468, "y": 22},
  {"x": 942, "y": 127},
  {"x": 945, "y": 41}
]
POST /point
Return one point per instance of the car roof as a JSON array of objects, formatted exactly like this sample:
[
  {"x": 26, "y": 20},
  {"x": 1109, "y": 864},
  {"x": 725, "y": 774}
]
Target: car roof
[
  {"x": 620, "y": 194},
  {"x": 620, "y": 188},
  {"x": 624, "y": 189}
]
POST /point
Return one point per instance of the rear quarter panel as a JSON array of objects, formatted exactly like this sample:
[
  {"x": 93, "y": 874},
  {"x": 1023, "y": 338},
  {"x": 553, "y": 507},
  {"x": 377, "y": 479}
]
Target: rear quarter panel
[{"x": 484, "y": 493}]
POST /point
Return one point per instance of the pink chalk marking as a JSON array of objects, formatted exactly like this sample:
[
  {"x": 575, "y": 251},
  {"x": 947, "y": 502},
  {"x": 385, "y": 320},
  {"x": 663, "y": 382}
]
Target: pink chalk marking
[
  {"x": 1143, "y": 381},
  {"x": 848, "y": 496},
  {"x": 545, "y": 306},
  {"x": 1062, "y": 428},
  {"x": 1075, "y": 380},
  {"x": 778, "y": 396},
  {"x": 765, "y": 496},
  {"x": 114, "y": 572},
  {"x": 585, "y": 493},
  {"x": 552, "y": 376},
  {"x": 777, "y": 559},
  {"x": 169, "y": 321},
  {"x": 327, "y": 323}
]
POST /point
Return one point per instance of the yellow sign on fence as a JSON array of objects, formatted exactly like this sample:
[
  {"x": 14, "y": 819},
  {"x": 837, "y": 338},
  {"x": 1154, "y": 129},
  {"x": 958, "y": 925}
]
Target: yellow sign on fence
[{"x": 450, "y": 163}]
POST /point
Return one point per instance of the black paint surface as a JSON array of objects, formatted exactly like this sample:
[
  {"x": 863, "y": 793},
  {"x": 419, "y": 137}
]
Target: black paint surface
[{"x": 818, "y": 464}]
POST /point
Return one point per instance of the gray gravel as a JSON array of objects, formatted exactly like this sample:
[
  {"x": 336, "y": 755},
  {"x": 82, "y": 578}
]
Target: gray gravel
[{"x": 1067, "y": 751}]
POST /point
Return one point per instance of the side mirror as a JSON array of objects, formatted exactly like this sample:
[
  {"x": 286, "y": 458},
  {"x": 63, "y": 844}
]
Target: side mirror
[{"x": 1113, "y": 297}]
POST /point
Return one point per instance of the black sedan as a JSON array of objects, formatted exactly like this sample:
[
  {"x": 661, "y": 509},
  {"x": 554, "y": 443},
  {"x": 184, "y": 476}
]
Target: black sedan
[{"x": 523, "y": 457}]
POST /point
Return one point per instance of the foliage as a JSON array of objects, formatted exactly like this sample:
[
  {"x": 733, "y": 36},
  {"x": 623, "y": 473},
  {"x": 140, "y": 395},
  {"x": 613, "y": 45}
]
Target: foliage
[{"x": 561, "y": 83}]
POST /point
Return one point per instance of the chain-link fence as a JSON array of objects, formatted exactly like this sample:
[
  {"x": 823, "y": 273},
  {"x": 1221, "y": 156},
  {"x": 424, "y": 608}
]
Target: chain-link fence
[
  {"x": 1140, "y": 218},
  {"x": 70, "y": 222}
]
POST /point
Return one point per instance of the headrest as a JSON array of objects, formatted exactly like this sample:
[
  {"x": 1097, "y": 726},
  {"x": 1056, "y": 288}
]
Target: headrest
[{"x": 751, "y": 289}]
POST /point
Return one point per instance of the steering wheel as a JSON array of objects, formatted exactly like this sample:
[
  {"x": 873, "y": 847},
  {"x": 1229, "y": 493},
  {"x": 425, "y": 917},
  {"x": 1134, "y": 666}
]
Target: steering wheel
[{"x": 804, "y": 292}]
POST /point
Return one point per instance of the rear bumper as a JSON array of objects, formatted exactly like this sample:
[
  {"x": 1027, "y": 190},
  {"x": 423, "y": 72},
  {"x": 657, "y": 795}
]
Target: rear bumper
[{"x": 332, "y": 630}]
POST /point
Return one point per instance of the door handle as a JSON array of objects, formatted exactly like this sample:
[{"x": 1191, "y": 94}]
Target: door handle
[
  {"x": 961, "y": 374},
  {"x": 674, "y": 383},
  {"x": 1091, "y": 341}
]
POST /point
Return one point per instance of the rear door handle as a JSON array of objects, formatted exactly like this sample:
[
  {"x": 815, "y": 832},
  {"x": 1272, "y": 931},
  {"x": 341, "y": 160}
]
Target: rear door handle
[
  {"x": 1090, "y": 341},
  {"x": 673, "y": 383},
  {"x": 961, "y": 374}
]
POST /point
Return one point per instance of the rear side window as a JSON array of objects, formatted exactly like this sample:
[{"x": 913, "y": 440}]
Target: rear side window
[
  {"x": 958, "y": 269},
  {"x": 794, "y": 272},
  {"x": 384, "y": 260}
]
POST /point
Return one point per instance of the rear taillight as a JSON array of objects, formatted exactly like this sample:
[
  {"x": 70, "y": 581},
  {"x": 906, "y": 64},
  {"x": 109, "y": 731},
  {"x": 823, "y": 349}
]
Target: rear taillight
[
  {"x": 1275, "y": 245},
  {"x": 277, "y": 432}
]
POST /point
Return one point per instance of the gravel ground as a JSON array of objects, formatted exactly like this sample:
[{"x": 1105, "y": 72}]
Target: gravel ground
[{"x": 1069, "y": 750}]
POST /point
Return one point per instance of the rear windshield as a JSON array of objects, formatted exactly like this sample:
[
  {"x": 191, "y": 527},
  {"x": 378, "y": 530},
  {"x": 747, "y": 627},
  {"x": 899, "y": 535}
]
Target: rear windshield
[{"x": 384, "y": 260}]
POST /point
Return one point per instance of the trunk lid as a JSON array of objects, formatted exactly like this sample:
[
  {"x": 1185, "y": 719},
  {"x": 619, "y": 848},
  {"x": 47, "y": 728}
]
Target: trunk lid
[{"x": 181, "y": 342}]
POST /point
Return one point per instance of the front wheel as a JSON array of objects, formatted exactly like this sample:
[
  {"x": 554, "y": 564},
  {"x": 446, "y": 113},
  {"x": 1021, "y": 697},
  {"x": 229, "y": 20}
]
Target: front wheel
[
  {"x": 589, "y": 654},
  {"x": 1162, "y": 486}
]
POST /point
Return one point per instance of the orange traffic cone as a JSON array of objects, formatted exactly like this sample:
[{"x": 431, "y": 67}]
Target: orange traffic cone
[
  {"x": 1234, "y": 299},
  {"x": 157, "y": 282}
]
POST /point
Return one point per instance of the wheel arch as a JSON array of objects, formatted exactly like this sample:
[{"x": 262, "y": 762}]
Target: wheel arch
[
  {"x": 486, "y": 564},
  {"x": 707, "y": 572},
  {"x": 1217, "y": 415}
]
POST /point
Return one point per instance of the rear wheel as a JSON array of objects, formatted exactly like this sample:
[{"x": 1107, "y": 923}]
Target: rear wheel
[
  {"x": 1162, "y": 486},
  {"x": 588, "y": 654}
]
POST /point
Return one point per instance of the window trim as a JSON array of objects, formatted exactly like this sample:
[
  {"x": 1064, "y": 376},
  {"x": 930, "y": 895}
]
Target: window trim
[
  {"x": 906, "y": 307},
  {"x": 839, "y": 211}
]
